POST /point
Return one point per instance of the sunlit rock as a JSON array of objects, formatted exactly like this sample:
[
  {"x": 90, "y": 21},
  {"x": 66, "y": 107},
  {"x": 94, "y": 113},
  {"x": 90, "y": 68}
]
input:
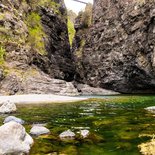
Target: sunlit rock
[
  {"x": 14, "y": 119},
  {"x": 39, "y": 130},
  {"x": 8, "y": 107},
  {"x": 14, "y": 139}
]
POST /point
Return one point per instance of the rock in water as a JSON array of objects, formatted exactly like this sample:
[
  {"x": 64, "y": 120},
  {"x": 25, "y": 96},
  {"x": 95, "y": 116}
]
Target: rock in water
[
  {"x": 14, "y": 119},
  {"x": 151, "y": 109},
  {"x": 84, "y": 133},
  {"x": 14, "y": 139},
  {"x": 8, "y": 107},
  {"x": 67, "y": 135},
  {"x": 39, "y": 130},
  {"x": 147, "y": 148}
]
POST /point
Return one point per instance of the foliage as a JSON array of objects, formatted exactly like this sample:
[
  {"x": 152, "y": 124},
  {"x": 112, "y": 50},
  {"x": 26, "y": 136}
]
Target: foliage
[
  {"x": 2, "y": 52},
  {"x": 36, "y": 33},
  {"x": 46, "y": 3},
  {"x": 71, "y": 30}
]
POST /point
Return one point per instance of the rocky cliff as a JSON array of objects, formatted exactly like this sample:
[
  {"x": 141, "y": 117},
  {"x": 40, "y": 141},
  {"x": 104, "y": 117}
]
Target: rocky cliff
[
  {"x": 119, "y": 51},
  {"x": 34, "y": 47}
]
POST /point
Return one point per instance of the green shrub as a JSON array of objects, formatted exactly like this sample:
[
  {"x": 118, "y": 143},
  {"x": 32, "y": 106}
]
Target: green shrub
[
  {"x": 36, "y": 33},
  {"x": 2, "y": 52},
  {"x": 71, "y": 30},
  {"x": 46, "y": 3}
]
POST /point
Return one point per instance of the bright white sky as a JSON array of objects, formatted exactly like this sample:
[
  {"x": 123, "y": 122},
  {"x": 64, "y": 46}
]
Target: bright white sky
[{"x": 75, "y": 6}]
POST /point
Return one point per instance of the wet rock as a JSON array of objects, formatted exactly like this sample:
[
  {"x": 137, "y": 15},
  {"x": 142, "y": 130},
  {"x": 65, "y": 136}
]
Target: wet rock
[
  {"x": 39, "y": 130},
  {"x": 67, "y": 135},
  {"x": 88, "y": 90},
  {"x": 8, "y": 107},
  {"x": 14, "y": 139},
  {"x": 84, "y": 133},
  {"x": 14, "y": 119},
  {"x": 151, "y": 109}
]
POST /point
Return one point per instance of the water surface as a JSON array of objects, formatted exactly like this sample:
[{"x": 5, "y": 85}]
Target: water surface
[{"x": 117, "y": 125}]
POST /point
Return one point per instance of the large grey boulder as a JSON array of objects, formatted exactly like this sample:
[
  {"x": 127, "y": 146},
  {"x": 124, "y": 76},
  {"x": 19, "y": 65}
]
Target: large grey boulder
[
  {"x": 14, "y": 139},
  {"x": 14, "y": 119},
  {"x": 39, "y": 130},
  {"x": 67, "y": 135},
  {"x": 8, "y": 107}
]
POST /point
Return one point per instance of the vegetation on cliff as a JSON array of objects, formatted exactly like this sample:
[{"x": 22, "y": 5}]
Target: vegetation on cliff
[
  {"x": 71, "y": 30},
  {"x": 36, "y": 33}
]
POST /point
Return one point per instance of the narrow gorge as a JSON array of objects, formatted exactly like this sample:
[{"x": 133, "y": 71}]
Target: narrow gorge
[
  {"x": 113, "y": 47},
  {"x": 35, "y": 54}
]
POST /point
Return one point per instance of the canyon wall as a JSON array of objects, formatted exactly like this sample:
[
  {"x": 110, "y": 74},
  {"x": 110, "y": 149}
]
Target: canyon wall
[
  {"x": 119, "y": 49},
  {"x": 34, "y": 47}
]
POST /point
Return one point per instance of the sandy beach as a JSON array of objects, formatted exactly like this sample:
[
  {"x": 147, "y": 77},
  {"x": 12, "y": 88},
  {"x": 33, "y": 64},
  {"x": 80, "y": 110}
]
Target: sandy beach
[{"x": 38, "y": 98}]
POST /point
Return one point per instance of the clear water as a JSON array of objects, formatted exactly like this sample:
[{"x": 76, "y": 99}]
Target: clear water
[{"x": 116, "y": 125}]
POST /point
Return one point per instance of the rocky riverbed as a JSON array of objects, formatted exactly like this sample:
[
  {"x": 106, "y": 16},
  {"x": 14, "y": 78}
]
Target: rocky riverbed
[{"x": 109, "y": 125}]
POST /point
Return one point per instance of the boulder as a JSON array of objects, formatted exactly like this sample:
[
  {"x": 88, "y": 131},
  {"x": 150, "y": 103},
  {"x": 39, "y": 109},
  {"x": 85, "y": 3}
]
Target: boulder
[
  {"x": 84, "y": 133},
  {"x": 14, "y": 119},
  {"x": 67, "y": 135},
  {"x": 39, "y": 130},
  {"x": 14, "y": 139},
  {"x": 8, "y": 107}
]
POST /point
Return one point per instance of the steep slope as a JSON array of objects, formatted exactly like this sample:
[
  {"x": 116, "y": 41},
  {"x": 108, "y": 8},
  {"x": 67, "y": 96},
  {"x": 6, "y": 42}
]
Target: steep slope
[
  {"x": 119, "y": 50},
  {"x": 34, "y": 47}
]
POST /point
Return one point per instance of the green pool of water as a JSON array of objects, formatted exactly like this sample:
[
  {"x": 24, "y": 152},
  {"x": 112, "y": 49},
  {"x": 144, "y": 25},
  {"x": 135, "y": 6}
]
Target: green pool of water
[{"x": 115, "y": 123}]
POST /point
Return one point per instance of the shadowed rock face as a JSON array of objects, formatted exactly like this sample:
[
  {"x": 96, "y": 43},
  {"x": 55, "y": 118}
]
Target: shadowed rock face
[
  {"x": 57, "y": 44},
  {"x": 119, "y": 51}
]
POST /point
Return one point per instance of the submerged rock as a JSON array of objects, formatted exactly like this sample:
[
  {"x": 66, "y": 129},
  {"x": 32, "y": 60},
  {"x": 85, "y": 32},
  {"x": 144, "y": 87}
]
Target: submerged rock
[
  {"x": 8, "y": 107},
  {"x": 14, "y": 119},
  {"x": 39, "y": 130},
  {"x": 84, "y": 133},
  {"x": 14, "y": 139},
  {"x": 67, "y": 135}
]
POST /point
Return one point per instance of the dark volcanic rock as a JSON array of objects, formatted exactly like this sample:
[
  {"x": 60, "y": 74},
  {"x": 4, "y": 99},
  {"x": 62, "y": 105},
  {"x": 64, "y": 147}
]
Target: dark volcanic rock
[
  {"x": 57, "y": 44},
  {"x": 119, "y": 52}
]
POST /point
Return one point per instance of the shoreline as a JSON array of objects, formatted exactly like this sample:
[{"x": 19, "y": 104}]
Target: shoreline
[{"x": 39, "y": 99}]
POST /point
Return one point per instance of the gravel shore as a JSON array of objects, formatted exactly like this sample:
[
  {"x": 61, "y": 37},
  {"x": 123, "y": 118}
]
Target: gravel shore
[{"x": 38, "y": 98}]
